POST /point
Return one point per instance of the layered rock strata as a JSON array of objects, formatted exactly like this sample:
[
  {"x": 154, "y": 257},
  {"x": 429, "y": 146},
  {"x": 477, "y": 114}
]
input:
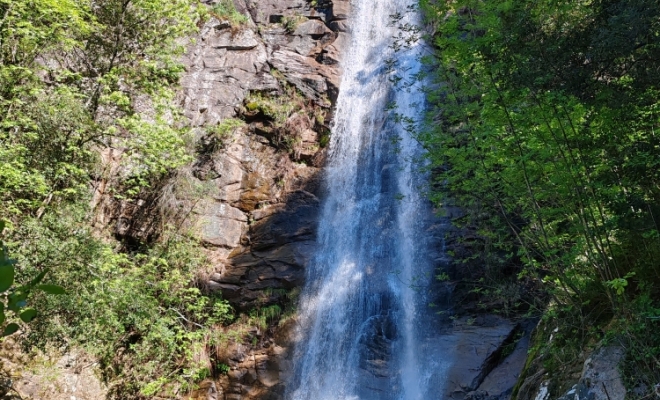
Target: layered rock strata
[{"x": 258, "y": 221}]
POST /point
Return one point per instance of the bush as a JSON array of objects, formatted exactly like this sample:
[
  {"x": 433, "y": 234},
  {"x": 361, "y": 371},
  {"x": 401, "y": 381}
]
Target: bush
[
  {"x": 141, "y": 313},
  {"x": 226, "y": 10}
]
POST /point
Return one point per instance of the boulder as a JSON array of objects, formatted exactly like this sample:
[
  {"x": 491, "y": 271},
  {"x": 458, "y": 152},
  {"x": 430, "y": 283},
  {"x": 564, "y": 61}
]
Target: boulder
[
  {"x": 499, "y": 383},
  {"x": 306, "y": 74},
  {"x": 476, "y": 345},
  {"x": 312, "y": 27},
  {"x": 220, "y": 231},
  {"x": 601, "y": 379},
  {"x": 341, "y": 9},
  {"x": 244, "y": 39},
  {"x": 340, "y": 26},
  {"x": 271, "y": 11},
  {"x": 280, "y": 246}
]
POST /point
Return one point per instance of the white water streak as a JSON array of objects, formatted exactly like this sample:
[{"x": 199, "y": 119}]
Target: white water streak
[{"x": 361, "y": 319}]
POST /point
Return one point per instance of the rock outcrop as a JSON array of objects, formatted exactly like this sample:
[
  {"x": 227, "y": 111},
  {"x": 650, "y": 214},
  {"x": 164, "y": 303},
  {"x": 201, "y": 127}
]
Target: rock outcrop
[
  {"x": 488, "y": 353},
  {"x": 258, "y": 97},
  {"x": 600, "y": 379},
  {"x": 259, "y": 220},
  {"x": 259, "y": 181},
  {"x": 259, "y": 223},
  {"x": 51, "y": 376}
]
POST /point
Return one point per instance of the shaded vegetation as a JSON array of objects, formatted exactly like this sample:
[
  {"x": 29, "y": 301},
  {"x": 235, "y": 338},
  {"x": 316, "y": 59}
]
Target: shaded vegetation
[
  {"x": 542, "y": 127},
  {"x": 140, "y": 313}
]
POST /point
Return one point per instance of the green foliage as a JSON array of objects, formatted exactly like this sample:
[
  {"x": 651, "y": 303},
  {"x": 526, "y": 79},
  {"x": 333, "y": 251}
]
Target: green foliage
[
  {"x": 637, "y": 332},
  {"x": 226, "y": 127},
  {"x": 277, "y": 108},
  {"x": 219, "y": 135},
  {"x": 324, "y": 140},
  {"x": 80, "y": 79},
  {"x": 226, "y": 10},
  {"x": 223, "y": 368},
  {"x": 14, "y": 298},
  {"x": 542, "y": 127},
  {"x": 619, "y": 284},
  {"x": 140, "y": 313},
  {"x": 291, "y": 22},
  {"x": 73, "y": 77}
]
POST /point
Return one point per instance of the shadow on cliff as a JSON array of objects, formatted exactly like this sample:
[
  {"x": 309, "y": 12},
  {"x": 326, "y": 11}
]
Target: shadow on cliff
[{"x": 278, "y": 245}]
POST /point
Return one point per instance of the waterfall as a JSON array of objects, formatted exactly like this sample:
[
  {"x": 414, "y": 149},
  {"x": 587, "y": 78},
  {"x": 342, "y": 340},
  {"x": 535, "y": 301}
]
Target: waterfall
[{"x": 365, "y": 330}]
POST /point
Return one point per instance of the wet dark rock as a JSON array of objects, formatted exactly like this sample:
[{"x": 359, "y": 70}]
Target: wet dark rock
[
  {"x": 478, "y": 395},
  {"x": 477, "y": 345},
  {"x": 281, "y": 245}
]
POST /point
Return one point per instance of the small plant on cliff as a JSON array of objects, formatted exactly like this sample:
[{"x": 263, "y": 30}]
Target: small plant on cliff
[
  {"x": 226, "y": 10},
  {"x": 222, "y": 133},
  {"x": 277, "y": 108},
  {"x": 291, "y": 22},
  {"x": 288, "y": 115},
  {"x": 223, "y": 368}
]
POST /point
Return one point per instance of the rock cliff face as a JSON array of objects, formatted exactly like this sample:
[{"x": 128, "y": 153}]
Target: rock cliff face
[
  {"x": 255, "y": 182},
  {"x": 258, "y": 221},
  {"x": 259, "y": 97}
]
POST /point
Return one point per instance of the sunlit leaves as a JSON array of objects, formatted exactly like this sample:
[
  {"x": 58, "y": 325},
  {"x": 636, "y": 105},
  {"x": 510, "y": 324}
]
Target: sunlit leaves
[
  {"x": 10, "y": 329},
  {"x": 146, "y": 300},
  {"x": 28, "y": 315},
  {"x": 13, "y": 298},
  {"x": 545, "y": 118},
  {"x": 71, "y": 74}
]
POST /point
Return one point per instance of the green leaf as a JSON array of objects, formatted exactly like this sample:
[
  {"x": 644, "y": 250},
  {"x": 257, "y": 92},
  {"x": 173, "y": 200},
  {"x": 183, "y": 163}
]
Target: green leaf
[
  {"x": 38, "y": 279},
  {"x": 28, "y": 315},
  {"x": 17, "y": 300},
  {"x": 2, "y": 317},
  {"x": 52, "y": 289},
  {"x": 6, "y": 277},
  {"x": 4, "y": 260},
  {"x": 10, "y": 329}
]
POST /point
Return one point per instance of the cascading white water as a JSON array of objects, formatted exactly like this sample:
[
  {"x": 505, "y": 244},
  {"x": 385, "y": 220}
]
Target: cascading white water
[{"x": 365, "y": 331}]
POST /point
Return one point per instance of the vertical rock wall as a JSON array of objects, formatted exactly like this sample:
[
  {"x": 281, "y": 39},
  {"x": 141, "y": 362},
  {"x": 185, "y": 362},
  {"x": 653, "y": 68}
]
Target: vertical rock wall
[
  {"x": 258, "y": 222},
  {"x": 252, "y": 194}
]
